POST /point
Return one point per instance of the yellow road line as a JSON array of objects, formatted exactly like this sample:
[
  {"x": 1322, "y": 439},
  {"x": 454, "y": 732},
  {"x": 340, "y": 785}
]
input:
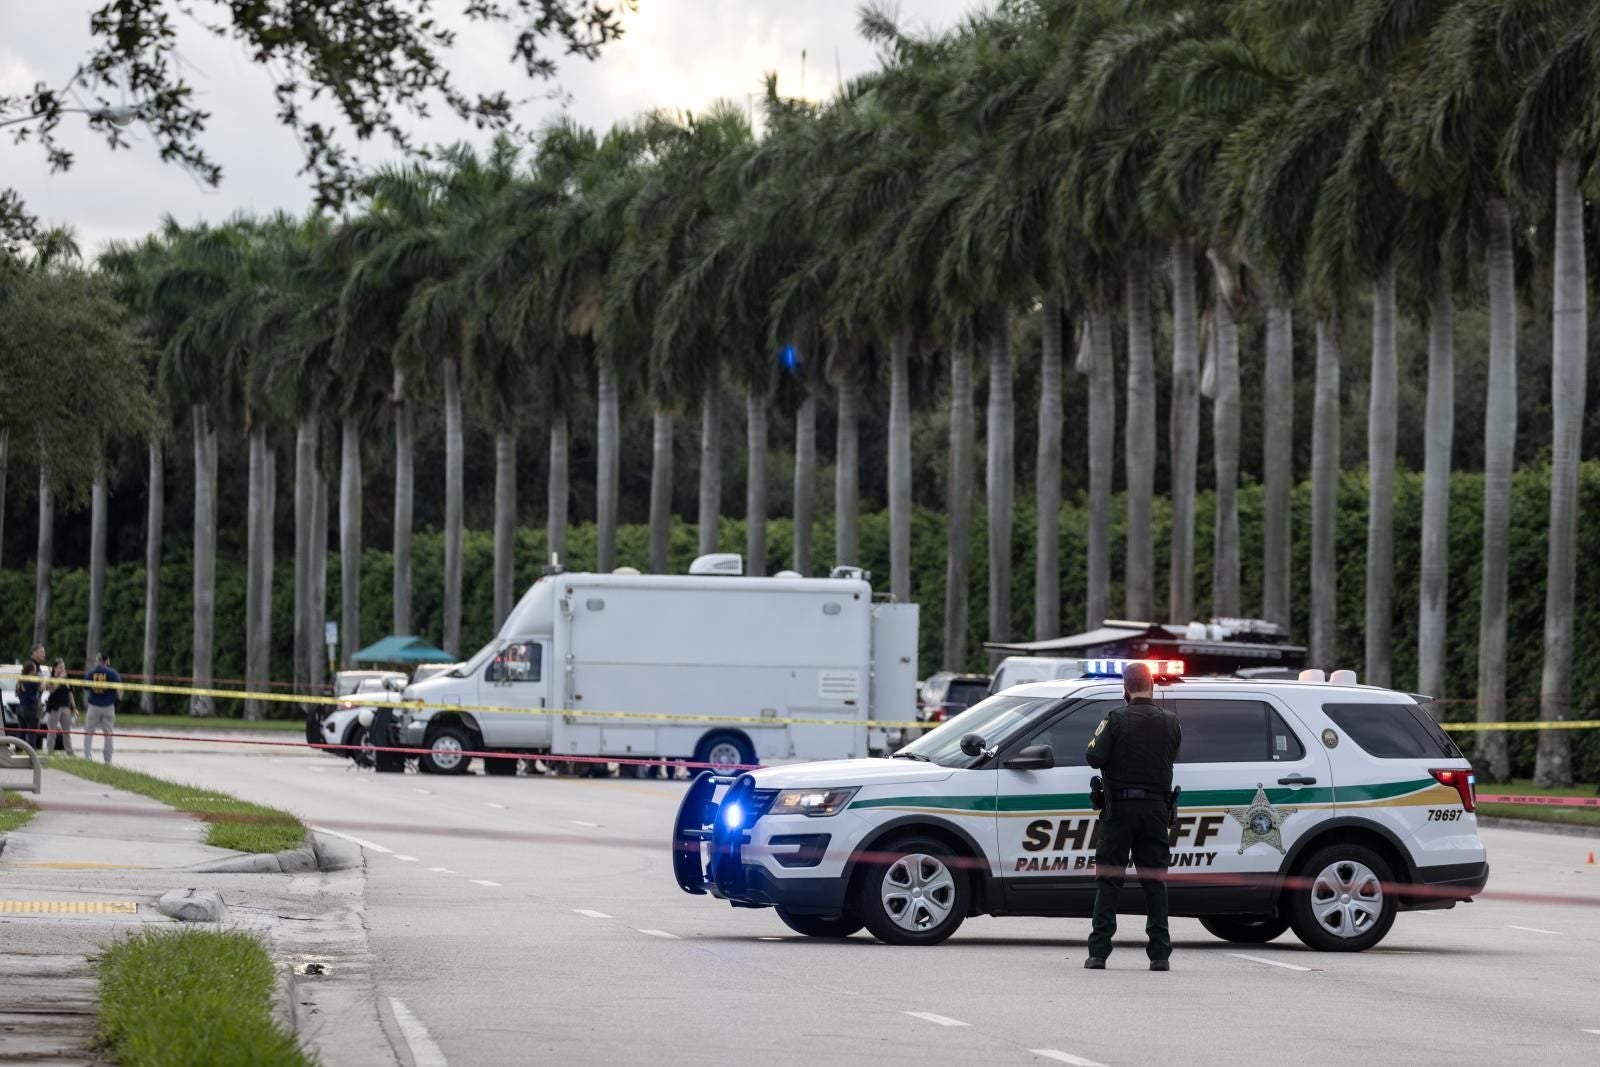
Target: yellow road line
[
  {"x": 86, "y": 866},
  {"x": 68, "y": 907}
]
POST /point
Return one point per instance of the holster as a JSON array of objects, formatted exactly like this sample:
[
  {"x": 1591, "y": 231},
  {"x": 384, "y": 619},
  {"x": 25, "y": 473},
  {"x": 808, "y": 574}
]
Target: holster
[
  {"x": 1097, "y": 793},
  {"x": 1172, "y": 806}
]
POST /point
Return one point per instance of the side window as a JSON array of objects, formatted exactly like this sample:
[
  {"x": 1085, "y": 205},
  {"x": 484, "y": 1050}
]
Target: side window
[
  {"x": 1392, "y": 731},
  {"x": 1234, "y": 731},
  {"x": 517, "y": 662},
  {"x": 1069, "y": 735}
]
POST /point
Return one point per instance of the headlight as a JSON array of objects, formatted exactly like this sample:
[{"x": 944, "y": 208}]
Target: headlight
[{"x": 812, "y": 801}]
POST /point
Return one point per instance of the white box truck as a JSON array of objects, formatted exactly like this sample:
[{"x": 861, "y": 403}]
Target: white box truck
[{"x": 692, "y": 649}]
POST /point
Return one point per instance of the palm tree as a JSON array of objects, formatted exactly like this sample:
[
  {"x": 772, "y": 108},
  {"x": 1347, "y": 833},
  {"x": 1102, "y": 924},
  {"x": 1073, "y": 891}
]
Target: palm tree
[
  {"x": 1102, "y": 448},
  {"x": 44, "y": 559},
  {"x": 1439, "y": 425},
  {"x": 1381, "y": 430},
  {"x": 1225, "y": 597}
]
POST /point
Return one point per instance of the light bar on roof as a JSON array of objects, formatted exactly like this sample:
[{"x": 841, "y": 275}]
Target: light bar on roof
[{"x": 1114, "y": 668}]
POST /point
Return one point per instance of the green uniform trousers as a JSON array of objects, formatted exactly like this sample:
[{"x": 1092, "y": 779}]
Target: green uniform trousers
[{"x": 1137, "y": 828}]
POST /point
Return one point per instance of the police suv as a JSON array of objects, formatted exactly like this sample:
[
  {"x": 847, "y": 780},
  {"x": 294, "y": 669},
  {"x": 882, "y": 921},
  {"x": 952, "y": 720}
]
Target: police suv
[{"x": 1316, "y": 804}]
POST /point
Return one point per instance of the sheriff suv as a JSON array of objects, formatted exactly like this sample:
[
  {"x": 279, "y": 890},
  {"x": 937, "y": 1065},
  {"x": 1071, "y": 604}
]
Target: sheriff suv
[{"x": 1318, "y": 805}]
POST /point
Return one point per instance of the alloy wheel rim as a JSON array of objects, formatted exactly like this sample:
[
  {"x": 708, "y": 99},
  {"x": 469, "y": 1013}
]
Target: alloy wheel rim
[
  {"x": 1347, "y": 899},
  {"x": 918, "y": 892}
]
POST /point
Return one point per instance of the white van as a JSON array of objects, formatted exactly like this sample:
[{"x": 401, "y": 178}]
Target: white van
[
  {"x": 1020, "y": 670},
  {"x": 645, "y": 665}
]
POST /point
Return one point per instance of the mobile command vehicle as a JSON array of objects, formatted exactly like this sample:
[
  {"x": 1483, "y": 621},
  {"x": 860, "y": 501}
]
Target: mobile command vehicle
[
  {"x": 687, "y": 666},
  {"x": 1318, "y": 805}
]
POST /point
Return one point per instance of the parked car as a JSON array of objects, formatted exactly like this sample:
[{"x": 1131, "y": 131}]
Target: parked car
[
  {"x": 341, "y": 724},
  {"x": 946, "y": 694}
]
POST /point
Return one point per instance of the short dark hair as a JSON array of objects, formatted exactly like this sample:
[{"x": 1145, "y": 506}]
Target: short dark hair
[{"x": 1136, "y": 678}]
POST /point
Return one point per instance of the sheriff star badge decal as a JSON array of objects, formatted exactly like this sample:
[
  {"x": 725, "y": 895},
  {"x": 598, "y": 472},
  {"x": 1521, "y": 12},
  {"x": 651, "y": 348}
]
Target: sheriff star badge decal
[{"x": 1261, "y": 821}]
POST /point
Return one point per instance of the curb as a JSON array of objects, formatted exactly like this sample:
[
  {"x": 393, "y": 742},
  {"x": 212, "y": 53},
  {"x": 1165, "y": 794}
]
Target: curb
[
  {"x": 1500, "y": 822},
  {"x": 317, "y": 854},
  {"x": 285, "y": 1010}
]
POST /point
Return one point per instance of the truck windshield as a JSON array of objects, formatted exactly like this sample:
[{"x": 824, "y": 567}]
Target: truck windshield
[
  {"x": 994, "y": 720},
  {"x": 482, "y": 656}
]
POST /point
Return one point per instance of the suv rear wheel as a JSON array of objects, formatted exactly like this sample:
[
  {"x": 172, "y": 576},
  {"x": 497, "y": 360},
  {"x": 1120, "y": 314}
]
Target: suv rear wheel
[
  {"x": 915, "y": 894},
  {"x": 820, "y": 925},
  {"x": 1340, "y": 902},
  {"x": 1245, "y": 929}
]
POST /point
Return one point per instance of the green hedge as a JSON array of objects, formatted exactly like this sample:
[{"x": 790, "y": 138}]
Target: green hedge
[{"x": 125, "y": 586}]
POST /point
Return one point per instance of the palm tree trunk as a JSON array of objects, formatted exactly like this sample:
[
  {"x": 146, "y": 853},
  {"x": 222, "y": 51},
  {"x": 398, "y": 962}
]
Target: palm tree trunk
[
  {"x": 350, "y": 542},
  {"x": 155, "y": 506},
  {"x": 505, "y": 525},
  {"x": 1102, "y": 450},
  {"x": 755, "y": 497},
  {"x": 44, "y": 561},
  {"x": 315, "y": 655},
  {"x": 269, "y": 527},
  {"x": 958, "y": 505},
  {"x": 1183, "y": 432},
  {"x": 1570, "y": 327},
  {"x": 847, "y": 467},
  {"x": 1381, "y": 429},
  {"x": 254, "y": 671},
  {"x": 205, "y": 553},
  {"x": 660, "y": 490},
  {"x": 1140, "y": 445},
  {"x": 1325, "y": 496},
  {"x": 1225, "y": 599},
  {"x": 710, "y": 462},
  {"x": 1277, "y": 460},
  {"x": 97, "y": 566},
  {"x": 404, "y": 489},
  {"x": 452, "y": 506},
  {"x": 1439, "y": 435},
  {"x": 999, "y": 438},
  {"x": 305, "y": 473},
  {"x": 805, "y": 480},
  {"x": 608, "y": 449},
  {"x": 900, "y": 467},
  {"x": 1499, "y": 455},
  {"x": 1047, "y": 480},
  {"x": 5, "y": 455},
  {"x": 559, "y": 475}
]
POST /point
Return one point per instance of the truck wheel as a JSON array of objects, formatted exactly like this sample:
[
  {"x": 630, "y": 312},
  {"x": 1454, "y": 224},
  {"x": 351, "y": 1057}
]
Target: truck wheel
[
  {"x": 725, "y": 752},
  {"x": 500, "y": 766},
  {"x": 363, "y": 755},
  {"x": 445, "y": 748},
  {"x": 819, "y": 925},
  {"x": 1341, "y": 904},
  {"x": 1244, "y": 929},
  {"x": 916, "y": 894}
]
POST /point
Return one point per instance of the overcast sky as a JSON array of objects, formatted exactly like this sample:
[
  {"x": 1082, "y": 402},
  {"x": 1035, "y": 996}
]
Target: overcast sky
[{"x": 676, "y": 53}]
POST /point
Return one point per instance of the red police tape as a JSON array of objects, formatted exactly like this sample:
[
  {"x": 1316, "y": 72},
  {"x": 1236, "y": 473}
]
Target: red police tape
[{"x": 1543, "y": 801}]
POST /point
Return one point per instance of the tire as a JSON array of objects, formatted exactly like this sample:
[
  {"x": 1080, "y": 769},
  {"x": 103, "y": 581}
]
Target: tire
[
  {"x": 532, "y": 768},
  {"x": 1339, "y": 903},
  {"x": 916, "y": 896},
  {"x": 500, "y": 766},
  {"x": 362, "y": 756},
  {"x": 725, "y": 751},
  {"x": 1245, "y": 929},
  {"x": 444, "y": 748},
  {"x": 819, "y": 925}
]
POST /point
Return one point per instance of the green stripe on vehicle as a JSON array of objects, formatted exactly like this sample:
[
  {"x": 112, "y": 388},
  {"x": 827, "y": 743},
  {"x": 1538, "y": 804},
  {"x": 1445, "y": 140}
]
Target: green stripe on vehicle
[{"x": 1200, "y": 798}]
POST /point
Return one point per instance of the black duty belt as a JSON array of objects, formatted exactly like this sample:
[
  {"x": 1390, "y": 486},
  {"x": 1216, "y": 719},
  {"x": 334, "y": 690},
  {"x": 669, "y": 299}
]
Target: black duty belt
[{"x": 1134, "y": 792}]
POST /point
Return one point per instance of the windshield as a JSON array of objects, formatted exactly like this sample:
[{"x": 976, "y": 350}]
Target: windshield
[
  {"x": 483, "y": 655},
  {"x": 993, "y": 719}
]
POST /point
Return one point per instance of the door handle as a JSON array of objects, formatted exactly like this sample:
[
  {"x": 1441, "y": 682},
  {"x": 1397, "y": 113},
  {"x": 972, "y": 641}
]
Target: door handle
[{"x": 1297, "y": 779}]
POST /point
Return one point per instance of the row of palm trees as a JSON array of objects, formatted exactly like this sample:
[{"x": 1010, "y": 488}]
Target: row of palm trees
[{"x": 1078, "y": 160}]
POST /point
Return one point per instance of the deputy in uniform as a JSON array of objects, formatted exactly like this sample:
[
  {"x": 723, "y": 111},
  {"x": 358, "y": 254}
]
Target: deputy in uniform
[{"x": 1134, "y": 748}]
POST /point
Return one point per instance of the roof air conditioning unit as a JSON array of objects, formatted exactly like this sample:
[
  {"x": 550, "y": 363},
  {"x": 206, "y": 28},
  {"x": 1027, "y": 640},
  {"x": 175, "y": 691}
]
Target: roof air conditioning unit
[
  {"x": 1311, "y": 674},
  {"x": 626, "y": 570},
  {"x": 721, "y": 563},
  {"x": 850, "y": 572},
  {"x": 1345, "y": 677},
  {"x": 787, "y": 574}
]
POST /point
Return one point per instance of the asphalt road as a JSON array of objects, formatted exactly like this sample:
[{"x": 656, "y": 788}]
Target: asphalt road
[{"x": 578, "y": 946}]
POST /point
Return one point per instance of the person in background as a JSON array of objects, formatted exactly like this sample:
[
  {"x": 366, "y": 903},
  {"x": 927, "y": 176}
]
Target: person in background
[
  {"x": 102, "y": 704},
  {"x": 29, "y": 712},
  {"x": 61, "y": 708}
]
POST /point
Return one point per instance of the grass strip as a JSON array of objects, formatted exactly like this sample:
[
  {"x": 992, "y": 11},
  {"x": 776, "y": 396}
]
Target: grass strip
[
  {"x": 15, "y": 811},
  {"x": 233, "y": 823},
  {"x": 191, "y": 996},
  {"x": 134, "y": 720},
  {"x": 1538, "y": 812}
]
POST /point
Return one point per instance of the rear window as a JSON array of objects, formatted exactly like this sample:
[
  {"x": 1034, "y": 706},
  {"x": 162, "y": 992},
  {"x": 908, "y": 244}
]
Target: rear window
[
  {"x": 966, "y": 694},
  {"x": 1392, "y": 731}
]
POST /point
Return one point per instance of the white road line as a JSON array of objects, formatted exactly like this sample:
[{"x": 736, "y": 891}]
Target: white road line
[
  {"x": 485, "y": 881},
  {"x": 424, "y": 1052},
  {"x": 580, "y": 822},
  {"x": 661, "y": 933},
  {"x": 1269, "y": 963},
  {"x": 591, "y": 913},
  {"x": 441, "y": 870},
  {"x": 492, "y": 804},
  {"x": 941, "y": 1020},
  {"x": 1532, "y": 929},
  {"x": 424, "y": 792},
  {"x": 374, "y": 846},
  {"x": 1065, "y": 1057},
  {"x": 407, "y": 859},
  {"x": 1592, "y": 1031}
]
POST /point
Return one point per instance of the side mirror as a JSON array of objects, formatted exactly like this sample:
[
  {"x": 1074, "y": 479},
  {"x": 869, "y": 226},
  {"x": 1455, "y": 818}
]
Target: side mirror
[
  {"x": 1033, "y": 758},
  {"x": 973, "y": 745}
]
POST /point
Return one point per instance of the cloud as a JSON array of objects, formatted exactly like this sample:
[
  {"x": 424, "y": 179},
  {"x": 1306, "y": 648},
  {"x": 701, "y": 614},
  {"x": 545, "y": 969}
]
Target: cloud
[{"x": 679, "y": 54}]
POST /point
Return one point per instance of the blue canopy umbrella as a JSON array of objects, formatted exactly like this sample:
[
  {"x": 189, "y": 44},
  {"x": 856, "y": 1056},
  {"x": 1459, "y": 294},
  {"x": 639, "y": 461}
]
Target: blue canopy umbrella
[{"x": 407, "y": 650}]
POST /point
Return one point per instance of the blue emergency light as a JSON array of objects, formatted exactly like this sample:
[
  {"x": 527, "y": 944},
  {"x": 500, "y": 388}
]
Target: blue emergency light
[{"x": 1114, "y": 668}]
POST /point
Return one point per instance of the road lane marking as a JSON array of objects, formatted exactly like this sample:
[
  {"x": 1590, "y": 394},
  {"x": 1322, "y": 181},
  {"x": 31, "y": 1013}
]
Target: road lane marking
[
  {"x": 441, "y": 870},
  {"x": 424, "y": 1051},
  {"x": 492, "y": 804},
  {"x": 374, "y": 846},
  {"x": 580, "y": 822},
  {"x": 424, "y": 792},
  {"x": 1065, "y": 1057},
  {"x": 1532, "y": 929},
  {"x": 591, "y": 913},
  {"x": 661, "y": 933},
  {"x": 485, "y": 881},
  {"x": 941, "y": 1020},
  {"x": 1592, "y": 1031},
  {"x": 407, "y": 859},
  {"x": 1269, "y": 963}
]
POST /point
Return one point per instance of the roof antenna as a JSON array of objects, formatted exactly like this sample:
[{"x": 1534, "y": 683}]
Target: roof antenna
[
  {"x": 802, "y": 73},
  {"x": 838, "y": 73}
]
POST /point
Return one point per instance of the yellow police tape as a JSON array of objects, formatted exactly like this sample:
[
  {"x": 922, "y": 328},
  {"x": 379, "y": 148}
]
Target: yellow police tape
[{"x": 352, "y": 700}]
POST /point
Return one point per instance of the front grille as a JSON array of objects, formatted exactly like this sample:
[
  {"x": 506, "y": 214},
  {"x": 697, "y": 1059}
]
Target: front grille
[{"x": 761, "y": 801}]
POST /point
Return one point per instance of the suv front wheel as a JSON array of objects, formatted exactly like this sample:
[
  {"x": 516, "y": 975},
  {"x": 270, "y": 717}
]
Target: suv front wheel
[
  {"x": 915, "y": 893},
  {"x": 1342, "y": 899}
]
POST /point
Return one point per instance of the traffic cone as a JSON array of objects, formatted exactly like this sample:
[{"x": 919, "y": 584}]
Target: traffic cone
[{"x": 1590, "y": 861}]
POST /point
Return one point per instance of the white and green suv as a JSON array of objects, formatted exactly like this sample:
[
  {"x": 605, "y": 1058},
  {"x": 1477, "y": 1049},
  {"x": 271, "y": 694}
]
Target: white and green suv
[{"x": 1320, "y": 806}]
